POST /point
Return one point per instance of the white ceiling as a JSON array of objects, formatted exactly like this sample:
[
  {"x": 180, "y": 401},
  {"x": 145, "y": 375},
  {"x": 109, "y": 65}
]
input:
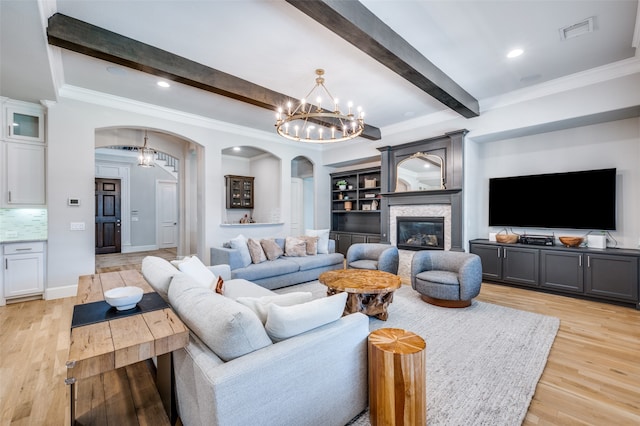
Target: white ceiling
[{"x": 272, "y": 44}]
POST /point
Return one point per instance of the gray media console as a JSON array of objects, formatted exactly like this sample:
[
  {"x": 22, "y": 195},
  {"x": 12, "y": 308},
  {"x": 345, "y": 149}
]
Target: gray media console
[{"x": 608, "y": 275}]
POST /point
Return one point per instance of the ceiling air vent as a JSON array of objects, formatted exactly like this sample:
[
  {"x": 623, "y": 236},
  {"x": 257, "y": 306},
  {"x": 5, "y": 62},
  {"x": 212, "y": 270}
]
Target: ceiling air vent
[{"x": 577, "y": 29}]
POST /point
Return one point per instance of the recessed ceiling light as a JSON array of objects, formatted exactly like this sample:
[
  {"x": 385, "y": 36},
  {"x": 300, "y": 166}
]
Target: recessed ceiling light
[
  {"x": 163, "y": 84},
  {"x": 515, "y": 53},
  {"x": 237, "y": 148}
]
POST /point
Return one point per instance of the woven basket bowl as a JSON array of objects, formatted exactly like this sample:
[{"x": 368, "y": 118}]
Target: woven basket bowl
[
  {"x": 571, "y": 241},
  {"x": 507, "y": 238}
]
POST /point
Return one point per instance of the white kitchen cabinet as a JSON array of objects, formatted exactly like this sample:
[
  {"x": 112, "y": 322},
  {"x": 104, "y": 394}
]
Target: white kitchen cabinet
[
  {"x": 24, "y": 174},
  {"x": 23, "y": 269},
  {"x": 23, "y": 122}
]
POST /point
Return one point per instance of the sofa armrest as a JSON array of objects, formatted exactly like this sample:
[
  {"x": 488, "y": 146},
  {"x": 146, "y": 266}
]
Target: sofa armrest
[
  {"x": 332, "y": 246},
  {"x": 222, "y": 270},
  {"x": 226, "y": 256},
  {"x": 321, "y": 374}
]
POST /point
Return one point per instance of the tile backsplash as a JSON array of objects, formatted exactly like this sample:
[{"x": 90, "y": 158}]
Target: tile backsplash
[{"x": 23, "y": 224}]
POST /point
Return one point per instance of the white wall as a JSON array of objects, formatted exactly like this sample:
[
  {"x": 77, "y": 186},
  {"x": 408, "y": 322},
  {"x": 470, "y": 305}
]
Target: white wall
[
  {"x": 71, "y": 126},
  {"x": 614, "y": 144}
]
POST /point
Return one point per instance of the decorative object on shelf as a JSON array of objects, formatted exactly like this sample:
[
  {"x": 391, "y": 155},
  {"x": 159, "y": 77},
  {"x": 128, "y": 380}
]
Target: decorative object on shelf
[
  {"x": 341, "y": 184},
  {"x": 299, "y": 124},
  {"x": 374, "y": 205},
  {"x": 506, "y": 238},
  {"x": 146, "y": 154},
  {"x": 571, "y": 241},
  {"x": 123, "y": 298},
  {"x": 348, "y": 205},
  {"x": 369, "y": 183},
  {"x": 350, "y": 186},
  {"x": 366, "y": 207},
  {"x": 340, "y": 196}
]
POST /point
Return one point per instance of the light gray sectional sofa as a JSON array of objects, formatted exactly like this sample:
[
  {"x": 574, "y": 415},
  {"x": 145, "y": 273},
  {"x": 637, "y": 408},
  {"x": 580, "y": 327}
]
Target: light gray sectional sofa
[
  {"x": 282, "y": 272},
  {"x": 232, "y": 373}
]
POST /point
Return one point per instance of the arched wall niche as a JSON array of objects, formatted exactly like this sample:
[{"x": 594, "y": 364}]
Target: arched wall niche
[{"x": 266, "y": 168}]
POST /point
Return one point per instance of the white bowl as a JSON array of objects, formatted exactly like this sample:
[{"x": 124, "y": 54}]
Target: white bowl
[{"x": 123, "y": 298}]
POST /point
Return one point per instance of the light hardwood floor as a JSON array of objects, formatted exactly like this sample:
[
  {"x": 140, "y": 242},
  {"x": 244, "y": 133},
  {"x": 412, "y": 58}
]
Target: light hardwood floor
[{"x": 592, "y": 376}]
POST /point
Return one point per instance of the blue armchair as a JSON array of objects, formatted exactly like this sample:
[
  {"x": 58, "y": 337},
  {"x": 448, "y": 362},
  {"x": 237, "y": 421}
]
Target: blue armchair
[
  {"x": 446, "y": 278},
  {"x": 383, "y": 257}
]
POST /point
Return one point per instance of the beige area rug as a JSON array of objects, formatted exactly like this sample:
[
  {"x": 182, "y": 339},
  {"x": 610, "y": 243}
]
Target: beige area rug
[{"x": 483, "y": 362}]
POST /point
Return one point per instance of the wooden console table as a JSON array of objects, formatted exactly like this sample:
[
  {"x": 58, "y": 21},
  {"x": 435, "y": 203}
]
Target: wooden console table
[{"x": 108, "y": 345}]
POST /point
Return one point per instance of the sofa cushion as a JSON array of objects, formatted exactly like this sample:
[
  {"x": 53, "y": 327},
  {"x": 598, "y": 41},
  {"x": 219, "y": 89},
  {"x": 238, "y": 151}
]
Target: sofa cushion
[
  {"x": 242, "y": 288},
  {"x": 440, "y": 277},
  {"x": 158, "y": 273},
  {"x": 295, "y": 247},
  {"x": 200, "y": 273},
  {"x": 364, "y": 264},
  {"x": 240, "y": 243},
  {"x": 323, "y": 239},
  {"x": 271, "y": 249},
  {"x": 288, "y": 321},
  {"x": 273, "y": 268},
  {"x": 256, "y": 251},
  {"x": 228, "y": 328},
  {"x": 260, "y": 305},
  {"x": 319, "y": 261}
]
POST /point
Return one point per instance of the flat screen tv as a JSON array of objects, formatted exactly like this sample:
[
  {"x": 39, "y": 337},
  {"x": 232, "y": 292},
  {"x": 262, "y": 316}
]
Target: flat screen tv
[{"x": 574, "y": 200}]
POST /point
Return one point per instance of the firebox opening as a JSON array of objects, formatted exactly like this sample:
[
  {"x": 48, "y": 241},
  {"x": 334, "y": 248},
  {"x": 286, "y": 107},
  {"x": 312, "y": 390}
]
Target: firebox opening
[{"x": 420, "y": 233}]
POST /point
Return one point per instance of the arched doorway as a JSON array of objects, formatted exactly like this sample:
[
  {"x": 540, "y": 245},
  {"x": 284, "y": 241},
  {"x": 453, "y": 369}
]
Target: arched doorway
[{"x": 302, "y": 195}]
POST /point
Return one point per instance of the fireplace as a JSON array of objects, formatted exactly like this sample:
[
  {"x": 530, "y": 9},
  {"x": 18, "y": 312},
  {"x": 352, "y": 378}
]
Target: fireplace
[{"x": 420, "y": 233}]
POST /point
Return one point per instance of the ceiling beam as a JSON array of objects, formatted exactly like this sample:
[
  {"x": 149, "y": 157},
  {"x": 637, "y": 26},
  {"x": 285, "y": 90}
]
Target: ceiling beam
[
  {"x": 352, "y": 21},
  {"x": 82, "y": 37}
]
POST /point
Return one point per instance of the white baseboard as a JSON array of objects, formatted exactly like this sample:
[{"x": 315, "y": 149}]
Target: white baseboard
[
  {"x": 135, "y": 249},
  {"x": 60, "y": 292}
]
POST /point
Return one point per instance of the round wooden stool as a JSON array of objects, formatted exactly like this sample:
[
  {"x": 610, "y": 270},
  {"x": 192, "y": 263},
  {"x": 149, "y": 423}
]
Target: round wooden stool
[{"x": 397, "y": 378}]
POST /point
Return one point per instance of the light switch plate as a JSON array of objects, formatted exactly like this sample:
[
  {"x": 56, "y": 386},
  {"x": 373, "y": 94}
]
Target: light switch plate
[{"x": 76, "y": 226}]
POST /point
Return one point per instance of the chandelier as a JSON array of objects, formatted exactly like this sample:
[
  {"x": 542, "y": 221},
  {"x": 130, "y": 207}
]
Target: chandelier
[
  {"x": 309, "y": 123},
  {"x": 146, "y": 154}
]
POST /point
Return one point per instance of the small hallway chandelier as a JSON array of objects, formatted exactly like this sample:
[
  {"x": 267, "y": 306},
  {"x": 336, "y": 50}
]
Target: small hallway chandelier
[
  {"x": 146, "y": 154},
  {"x": 309, "y": 123}
]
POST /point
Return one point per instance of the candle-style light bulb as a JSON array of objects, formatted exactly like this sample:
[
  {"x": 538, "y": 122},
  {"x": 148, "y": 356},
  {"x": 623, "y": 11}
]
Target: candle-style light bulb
[
  {"x": 333, "y": 132},
  {"x": 296, "y": 128},
  {"x": 350, "y": 105},
  {"x": 320, "y": 132},
  {"x": 319, "y": 102},
  {"x": 335, "y": 103},
  {"x": 303, "y": 103},
  {"x": 289, "y": 107},
  {"x": 286, "y": 127}
]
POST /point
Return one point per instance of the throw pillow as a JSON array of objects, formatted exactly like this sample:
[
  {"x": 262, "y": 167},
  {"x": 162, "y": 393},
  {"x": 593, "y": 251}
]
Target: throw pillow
[
  {"x": 288, "y": 321},
  {"x": 260, "y": 305},
  {"x": 312, "y": 245},
  {"x": 200, "y": 273},
  {"x": 295, "y": 247},
  {"x": 255, "y": 250},
  {"x": 228, "y": 328},
  {"x": 271, "y": 249},
  {"x": 323, "y": 239},
  {"x": 240, "y": 243},
  {"x": 220, "y": 286}
]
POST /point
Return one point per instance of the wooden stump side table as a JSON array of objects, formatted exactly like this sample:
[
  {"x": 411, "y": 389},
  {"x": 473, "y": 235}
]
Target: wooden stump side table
[
  {"x": 397, "y": 378},
  {"x": 369, "y": 291}
]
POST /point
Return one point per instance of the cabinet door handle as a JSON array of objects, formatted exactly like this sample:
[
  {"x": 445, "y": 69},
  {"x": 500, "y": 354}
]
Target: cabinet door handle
[
  {"x": 9, "y": 196},
  {"x": 499, "y": 252},
  {"x": 588, "y": 261},
  {"x": 24, "y": 249},
  {"x": 6, "y": 264},
  {"x": 504, "y": 251},
  {"x": 579, "y": 260}
]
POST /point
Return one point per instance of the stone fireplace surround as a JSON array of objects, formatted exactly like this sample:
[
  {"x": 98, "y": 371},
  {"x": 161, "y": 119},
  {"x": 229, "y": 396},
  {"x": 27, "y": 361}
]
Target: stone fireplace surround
[{"x": 445, "y": 203}]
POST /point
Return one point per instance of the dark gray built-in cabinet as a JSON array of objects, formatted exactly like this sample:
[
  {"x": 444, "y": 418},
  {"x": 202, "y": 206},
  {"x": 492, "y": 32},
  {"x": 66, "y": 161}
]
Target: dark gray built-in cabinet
[
  {"x": 355, "y": 210},
  {"x": 607, "y": 275}
]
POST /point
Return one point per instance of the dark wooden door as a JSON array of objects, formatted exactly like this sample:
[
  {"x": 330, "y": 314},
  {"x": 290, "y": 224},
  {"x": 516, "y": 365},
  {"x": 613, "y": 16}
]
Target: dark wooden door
[{"x": 107, "y": 216}]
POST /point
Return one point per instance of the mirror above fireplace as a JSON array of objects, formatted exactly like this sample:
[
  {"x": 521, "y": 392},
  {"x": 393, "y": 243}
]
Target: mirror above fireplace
[{"x": 420, "y": 172}]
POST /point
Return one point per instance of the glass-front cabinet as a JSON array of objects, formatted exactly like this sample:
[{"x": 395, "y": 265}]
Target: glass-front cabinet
[
  {"x": 23, "y": 122},
  {"x": 239, "y": 191}
]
